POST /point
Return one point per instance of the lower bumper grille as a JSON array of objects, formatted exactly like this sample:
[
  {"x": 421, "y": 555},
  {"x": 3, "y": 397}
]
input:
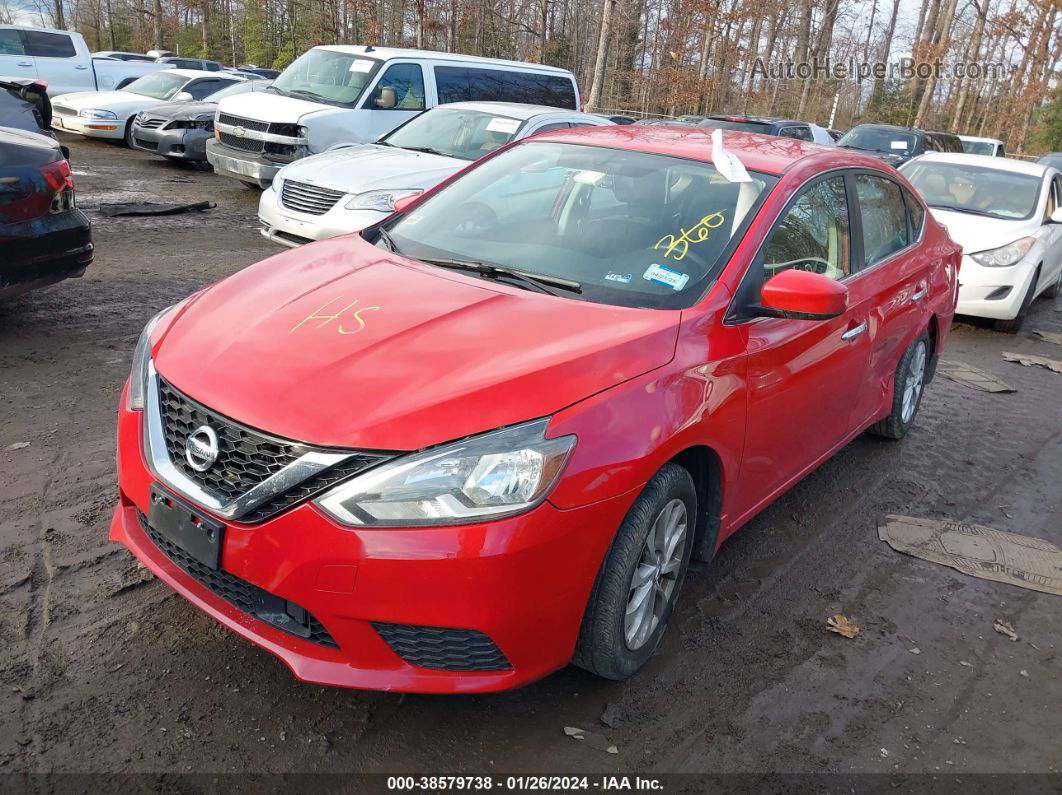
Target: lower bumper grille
[
  {"x": 147, "y": 144},
  {"x": 251, "y": 599},
  {"x": 443, "y": 649}
]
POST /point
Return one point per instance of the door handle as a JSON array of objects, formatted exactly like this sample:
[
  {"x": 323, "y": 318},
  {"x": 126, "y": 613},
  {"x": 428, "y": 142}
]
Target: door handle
[
  {"x": 918, "y": 295},
  {"x": 25, "y": 63},
  {"x": 82, "y": 67},
  {"x": 854, "y": 332}
]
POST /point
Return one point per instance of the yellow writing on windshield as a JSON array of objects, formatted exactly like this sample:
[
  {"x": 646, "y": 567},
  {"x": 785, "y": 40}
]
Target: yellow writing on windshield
[
  {"x": 326, "y": 319},
  {"x": 677, "y": 246}
]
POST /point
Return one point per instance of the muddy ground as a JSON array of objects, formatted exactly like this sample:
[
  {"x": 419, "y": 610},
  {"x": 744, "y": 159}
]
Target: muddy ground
[{"x": 104, "y": 669}]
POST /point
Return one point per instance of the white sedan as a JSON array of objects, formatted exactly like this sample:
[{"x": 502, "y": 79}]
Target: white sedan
[
  {"x": 1007, "y": 216},
  {"x": 347, "y": 189},
  {"x": 110, "y": 114}
]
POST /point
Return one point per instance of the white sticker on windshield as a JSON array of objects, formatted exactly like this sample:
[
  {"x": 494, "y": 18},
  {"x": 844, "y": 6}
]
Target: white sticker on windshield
[
  {"x": 676, "y": 280},
  {"x": 361, "y": 66},
  {"x": 898, "y": 144},
  {"x": 588, "y": 177},
  {"x": 502, "y": 125}
]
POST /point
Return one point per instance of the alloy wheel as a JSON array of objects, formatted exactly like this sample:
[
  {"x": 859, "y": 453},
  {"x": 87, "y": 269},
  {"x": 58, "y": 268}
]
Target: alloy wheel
[
  {"x": 653, "y": 583},
  {"x": 912, "y": 388}
]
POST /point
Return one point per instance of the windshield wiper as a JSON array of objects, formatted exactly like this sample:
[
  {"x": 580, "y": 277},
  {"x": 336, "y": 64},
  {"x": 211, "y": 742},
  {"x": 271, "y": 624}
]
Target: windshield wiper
[
  {"x": 425, "y": 149},
  {"x": 303, "y": 93},
  {"x": 540, "y": 282},
  {"x": 385, "y": 236},
  {"x": 967, "y": 210}
]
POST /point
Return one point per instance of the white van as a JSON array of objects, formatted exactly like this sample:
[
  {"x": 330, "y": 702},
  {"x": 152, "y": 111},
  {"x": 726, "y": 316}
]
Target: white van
[{"x": 346, "y": 94}]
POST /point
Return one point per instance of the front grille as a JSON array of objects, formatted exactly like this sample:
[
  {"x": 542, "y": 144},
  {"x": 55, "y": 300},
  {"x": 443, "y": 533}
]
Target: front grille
[
  {"x": 243, "y": 144},
  {"x": 251, "y": 599},
  {"x": 247, "y": 124},
  {"x": 246, "y": 457},
  {"x": 150, "y": 124},
  {"x": 443, "y": 649},
  {"x": 146, "y": 144},
  {"x": 305, "y": 198},
  {"x": 63, "y": 110}
]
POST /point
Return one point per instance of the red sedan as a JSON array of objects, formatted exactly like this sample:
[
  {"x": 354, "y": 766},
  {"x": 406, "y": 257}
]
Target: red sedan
[{"x": 484, "y": 438}]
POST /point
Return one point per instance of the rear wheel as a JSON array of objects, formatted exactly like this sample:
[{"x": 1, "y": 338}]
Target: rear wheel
[
  {"x": 1013, "y": 326},
  {"x": 640, "y": 578},
  {"x": 908, "y": 384}
]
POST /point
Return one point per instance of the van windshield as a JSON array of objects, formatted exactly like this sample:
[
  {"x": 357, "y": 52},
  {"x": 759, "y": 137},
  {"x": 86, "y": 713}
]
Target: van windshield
[
  {"x": 334, "y": 78},
  {"x": 631, "y": 228},
  {"x": 467, "y": 134}
]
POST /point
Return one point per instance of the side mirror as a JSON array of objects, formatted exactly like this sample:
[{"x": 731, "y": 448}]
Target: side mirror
[
  {"x": 1056, "y": 216},
  {"x": 183, "y": 96},
  {"x": 404, "y": 202},
  {"x": 387, "y": 98},
  {"x": 801, "y": 295}
]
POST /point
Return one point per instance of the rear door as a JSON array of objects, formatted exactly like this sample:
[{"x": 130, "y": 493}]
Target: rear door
[
  {"x": 58, "y": 62},
  {"x": 14, "y": 60},
  {"x": 804, "y": 377},
  {"x": 891, "y": 281}
]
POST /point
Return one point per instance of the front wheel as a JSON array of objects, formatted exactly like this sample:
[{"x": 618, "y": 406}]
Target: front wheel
[
  {"x": 129, "y": 134},
  {"x": 639, "y": 581},
  {"x": 1013, "y": 326},
  {"x": 908, "y": 384}
]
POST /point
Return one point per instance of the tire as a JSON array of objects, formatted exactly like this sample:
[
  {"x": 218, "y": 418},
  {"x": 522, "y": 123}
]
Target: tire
[
  {"x": 609, "y": 644},
  {"x": 908, "y": 385},
  {"x": 252, "y": 185},
  {"x": 1056, "y": 288},
  {"x": 129, "y": 134},
  {"x": 1013, "y": 326}
]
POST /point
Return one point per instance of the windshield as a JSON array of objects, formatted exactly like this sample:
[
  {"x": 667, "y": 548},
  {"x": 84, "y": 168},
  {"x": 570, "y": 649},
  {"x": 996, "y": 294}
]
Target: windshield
[
  {"x": 239, "y": 88},
  {"x": 983, "y": 191},
  {"x": 157, "y": 85},
  {"x": 335, "y": 78},
  {"x": 467, "y": 134},
  {"x": 978, "y": 147},
  {"x": 743, "y": 126},
  {"x": 876, "y": 139},
  {"x": 633, "y": 229}
]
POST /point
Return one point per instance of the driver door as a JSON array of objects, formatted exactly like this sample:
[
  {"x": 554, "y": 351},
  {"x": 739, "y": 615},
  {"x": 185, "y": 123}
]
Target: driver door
[{"x": 804, "y": 376}]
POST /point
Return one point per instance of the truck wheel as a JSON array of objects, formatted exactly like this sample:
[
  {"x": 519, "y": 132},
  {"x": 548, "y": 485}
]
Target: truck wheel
[
  {"x": 1013, "y": 326},
  {"x": 640, "y": 578},
  {"x": 907, "y": 387}
]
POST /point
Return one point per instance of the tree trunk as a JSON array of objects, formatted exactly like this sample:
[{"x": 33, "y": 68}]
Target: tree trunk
[
  {"x": 158, "y": 24},
  {"x": 597, "y": 87},
  {"x": 972, "y": 51}
]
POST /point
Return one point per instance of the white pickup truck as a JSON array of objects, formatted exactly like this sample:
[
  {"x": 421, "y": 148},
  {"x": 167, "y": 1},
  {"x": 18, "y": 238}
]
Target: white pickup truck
[{"x": 63, "y": 60}]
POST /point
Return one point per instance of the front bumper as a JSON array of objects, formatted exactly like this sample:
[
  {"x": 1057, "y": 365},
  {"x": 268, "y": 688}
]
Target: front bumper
[
  {"x": 291, "y": 228},
  {"x": 995, "y": 293},
  {"x": 180, "y": 144},
  {"x": 112, "y": 129},
  {"x": 522, "y": 582},
  {"x": 243, "y": 166}
]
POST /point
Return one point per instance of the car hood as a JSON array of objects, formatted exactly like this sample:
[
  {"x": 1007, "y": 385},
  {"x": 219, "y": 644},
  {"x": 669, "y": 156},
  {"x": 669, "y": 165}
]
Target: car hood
[
  {"x": 117, "y": 101},
  {"x": 415, "y": 355},
  {"x": 979, "y": 233},
  {"x": 357, "y": 168},
  {"x": 183, "y": 110},
  {"x": 269, "y": 106}
]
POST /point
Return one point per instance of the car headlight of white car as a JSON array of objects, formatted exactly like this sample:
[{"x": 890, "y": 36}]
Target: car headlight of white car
[
  {"x": 1004, "y": 255},
  {"x": 485, "y": 477},
  {"x": 381, "y": 200},
  {"x": 97, "y": 113}
]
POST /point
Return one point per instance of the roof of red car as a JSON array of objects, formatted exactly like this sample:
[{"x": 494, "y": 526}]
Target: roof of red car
[{"x": 768, "y": 154}]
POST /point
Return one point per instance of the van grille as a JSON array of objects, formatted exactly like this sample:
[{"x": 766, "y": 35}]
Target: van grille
[
  {"x": 305, "y": 198},
  {"x": 247, "y": 124}
]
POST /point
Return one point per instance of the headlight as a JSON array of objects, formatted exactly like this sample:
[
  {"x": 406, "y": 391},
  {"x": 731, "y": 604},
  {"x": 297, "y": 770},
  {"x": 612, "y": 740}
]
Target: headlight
[
  {"x": 141, "y": 356},
  {"x": 96, "y": 113},
  {"x": 496, "y": 474},
  {"x": 1004, "y": 255},
  {"x": 381, "y": 200}
]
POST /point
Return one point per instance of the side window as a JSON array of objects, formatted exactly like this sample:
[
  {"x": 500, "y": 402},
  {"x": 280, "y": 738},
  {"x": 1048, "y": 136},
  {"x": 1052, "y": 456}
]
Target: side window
[
  {"x": 884, "y": 218},
  {"x": 814, "y": 234},
  {"x": 11, "y": 43},
  {"x": 48, "y": 45},
  {"x": 465, "y": 84},
  {"x": 557, "y": 125},
  {"x": 1052, "y": 199},
  {"x": 915, "y": 212},
  {"x": 407, "y": 80},
  {"x": 1001, "y": 151},
  {"x": 800, "y": 133},
  {"x": 202, "y": 88}
]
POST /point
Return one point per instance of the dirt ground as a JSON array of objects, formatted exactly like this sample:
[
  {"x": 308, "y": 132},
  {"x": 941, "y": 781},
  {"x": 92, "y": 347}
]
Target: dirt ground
[{"x": 105, "y": 670}]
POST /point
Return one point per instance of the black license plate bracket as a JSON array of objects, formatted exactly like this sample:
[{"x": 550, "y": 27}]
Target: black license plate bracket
[{"x": 179, "y": 523}]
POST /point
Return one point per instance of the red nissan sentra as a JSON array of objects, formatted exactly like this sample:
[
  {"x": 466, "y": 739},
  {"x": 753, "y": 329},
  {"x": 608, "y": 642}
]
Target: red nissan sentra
[{"x": 484, "y": 438}]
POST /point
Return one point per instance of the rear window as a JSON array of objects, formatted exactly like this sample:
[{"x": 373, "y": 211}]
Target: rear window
[
  {"x": 743, "y": 126},
  {"x": 466, "y": 84},
  {"x": 48, "y": 45}
]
